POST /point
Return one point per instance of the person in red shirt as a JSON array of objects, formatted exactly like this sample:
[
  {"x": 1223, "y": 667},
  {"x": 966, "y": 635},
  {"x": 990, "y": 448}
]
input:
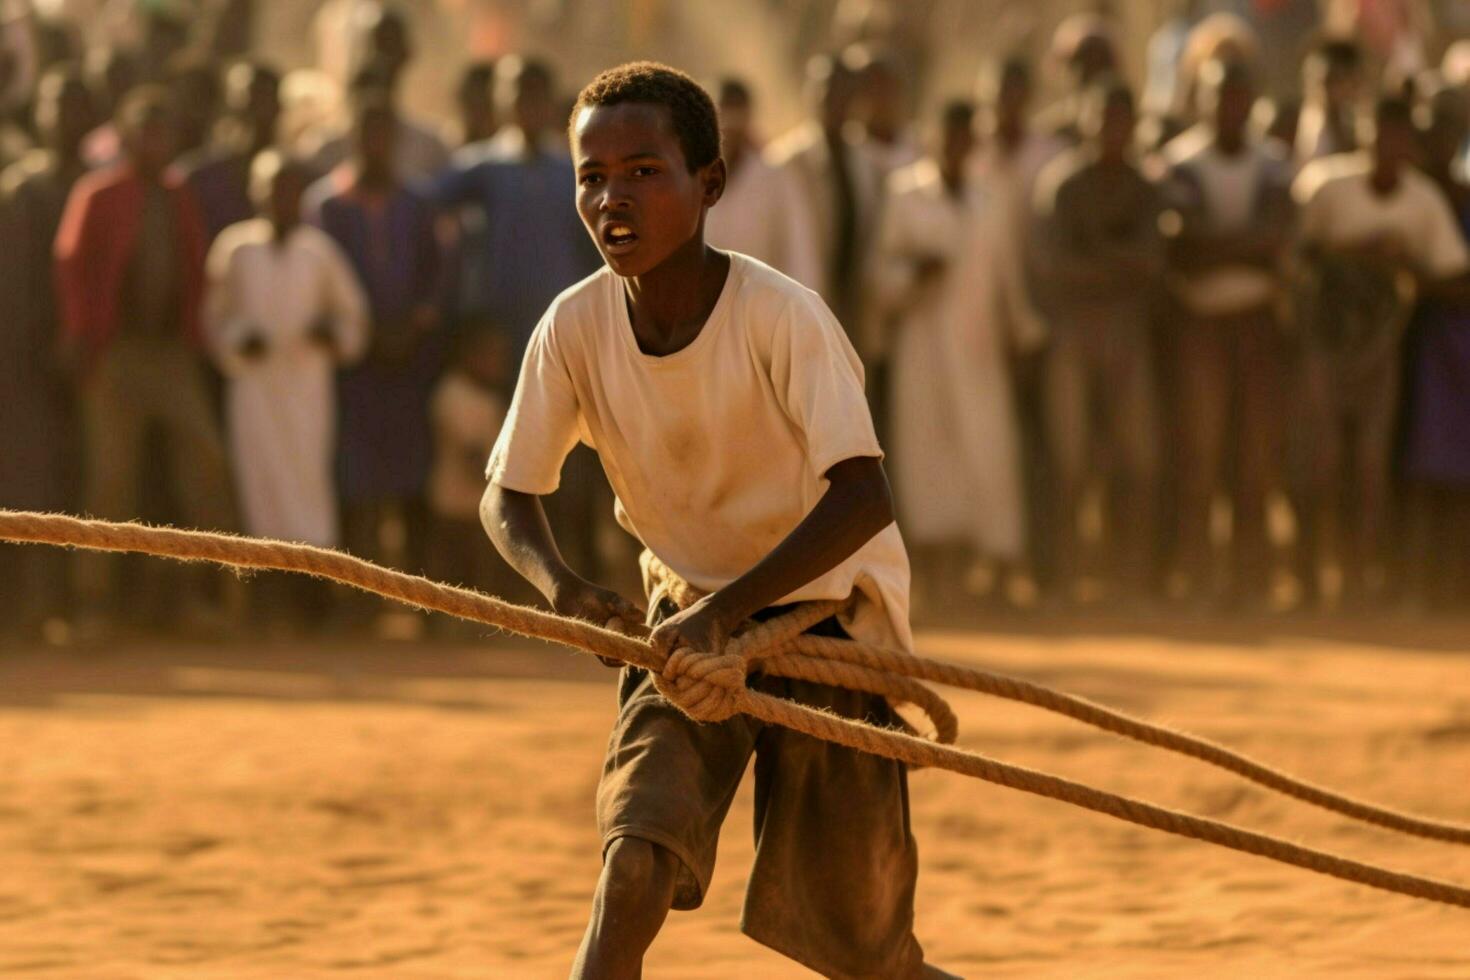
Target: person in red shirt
[{"x": 129, "y": 275}]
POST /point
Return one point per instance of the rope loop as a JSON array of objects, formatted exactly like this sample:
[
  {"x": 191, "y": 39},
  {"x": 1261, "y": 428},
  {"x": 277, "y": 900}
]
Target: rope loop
[{"x": 708, "y": 688}]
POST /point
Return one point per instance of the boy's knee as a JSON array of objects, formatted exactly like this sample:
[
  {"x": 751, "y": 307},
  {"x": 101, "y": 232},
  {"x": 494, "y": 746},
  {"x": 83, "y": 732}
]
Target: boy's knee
[{"x": 636, "y": 867}]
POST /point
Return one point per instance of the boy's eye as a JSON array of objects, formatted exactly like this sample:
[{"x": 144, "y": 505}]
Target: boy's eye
[
  {"x": 644, "y": 171},
  {"x": 588, "y": 179}
]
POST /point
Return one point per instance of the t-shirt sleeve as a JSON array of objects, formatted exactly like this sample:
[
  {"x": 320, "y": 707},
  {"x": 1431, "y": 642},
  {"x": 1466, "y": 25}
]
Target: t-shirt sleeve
[
  {"x": 1441, "y": 247},
  {"x": 818, "y": 381},
  {"x": 542, "y": 425}
]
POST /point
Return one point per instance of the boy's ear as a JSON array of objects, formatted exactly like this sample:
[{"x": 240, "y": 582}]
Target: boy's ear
[{"x": 713, "y": 178}]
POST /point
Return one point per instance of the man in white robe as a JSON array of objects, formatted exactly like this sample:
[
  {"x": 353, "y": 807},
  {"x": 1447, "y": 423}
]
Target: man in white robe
[
  {"x": 759, "y": 214},
  {"x": 839, "y": 189},
  {"x": 283, "y": 309},
  {"x": 956, "y": 464}
]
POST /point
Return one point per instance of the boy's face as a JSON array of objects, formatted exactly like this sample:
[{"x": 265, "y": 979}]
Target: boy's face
[{"x": 635, "y": 192}]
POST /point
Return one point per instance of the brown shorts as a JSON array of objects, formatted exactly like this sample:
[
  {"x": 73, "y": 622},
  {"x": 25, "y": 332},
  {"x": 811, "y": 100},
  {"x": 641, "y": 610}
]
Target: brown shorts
[{"x": 832, "y": 884}]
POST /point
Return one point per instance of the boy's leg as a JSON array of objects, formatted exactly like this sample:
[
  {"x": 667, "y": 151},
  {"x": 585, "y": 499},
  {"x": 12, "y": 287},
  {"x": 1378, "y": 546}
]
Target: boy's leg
[
  {"x": 836, "y": 864},
  {"x": 667, "y": 783},
  {"x": 633, "y": 899}
]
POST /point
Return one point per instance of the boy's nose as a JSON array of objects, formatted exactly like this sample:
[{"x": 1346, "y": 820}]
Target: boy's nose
[{"x": 615, "y": 197}]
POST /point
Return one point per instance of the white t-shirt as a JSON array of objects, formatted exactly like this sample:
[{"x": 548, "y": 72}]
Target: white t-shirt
[
  {"x": 1229, "y": 186},
  {"x": 717, "y": 451},
  {"x": 1340, "y": 208}
]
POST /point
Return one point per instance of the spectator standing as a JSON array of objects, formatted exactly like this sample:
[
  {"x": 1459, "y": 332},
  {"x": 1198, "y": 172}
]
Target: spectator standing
[
  {"x": 129, "y": 272},
  {"x": 759, "y": 214},
  {"x": 840, "y": 187},
  {"x": 474, "y": 99},
  {"x": 1102, "y": 256},
  {"x": 1437, "y": 437},
  {"x": 534, "y": 247},
  {"x": 1010, "y": 156},
  {"x": 1233, "y": 195},
  {"x": 1332, "y": 86},
  {"x": 1369, "y": 223},
  {"x": 1086, "y": 49},
  {"x": 956, "y": 465},
  {"x": 387, "y": 48},
  {"x": 194, "y": 82},
  {"x": 38, "y": 454},
  {"x": 283, "y": 311},
  {"x": 387, "y": 232},
  {"x": 220, "y": 177},
  {"x": 885, "y": 128}
]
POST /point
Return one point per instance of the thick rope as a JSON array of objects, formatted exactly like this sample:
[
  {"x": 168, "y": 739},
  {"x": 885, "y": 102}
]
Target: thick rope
[{"x": 711, "y": 688}]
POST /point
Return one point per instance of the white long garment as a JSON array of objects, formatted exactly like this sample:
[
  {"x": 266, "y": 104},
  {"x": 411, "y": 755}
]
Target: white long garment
[
  {"x": 281, "y": 407},
  {"x": 761, "y": 216},
  {"x": 954, "y": 447}
]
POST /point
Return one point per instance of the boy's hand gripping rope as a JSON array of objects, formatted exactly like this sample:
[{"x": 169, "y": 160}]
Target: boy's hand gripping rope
[{"x": 714, "y": 688}]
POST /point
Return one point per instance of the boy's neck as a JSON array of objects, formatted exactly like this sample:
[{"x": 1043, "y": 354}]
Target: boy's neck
[{"x": 669, "y": 305}]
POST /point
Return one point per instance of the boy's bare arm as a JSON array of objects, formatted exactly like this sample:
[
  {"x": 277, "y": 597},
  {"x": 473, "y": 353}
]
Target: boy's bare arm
[
  {"x": 857, "y": 505},
  {"x": 516, "y": 524}
]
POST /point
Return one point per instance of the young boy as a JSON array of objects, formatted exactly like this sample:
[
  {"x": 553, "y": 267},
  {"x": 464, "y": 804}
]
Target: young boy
[
  {"x": 282, "y": 311},
  {"x": 727, "y": 408}
]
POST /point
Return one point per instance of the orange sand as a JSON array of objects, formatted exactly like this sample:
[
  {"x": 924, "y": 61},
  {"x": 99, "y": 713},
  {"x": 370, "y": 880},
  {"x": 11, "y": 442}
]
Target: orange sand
[{"x": 424, "y": 812}]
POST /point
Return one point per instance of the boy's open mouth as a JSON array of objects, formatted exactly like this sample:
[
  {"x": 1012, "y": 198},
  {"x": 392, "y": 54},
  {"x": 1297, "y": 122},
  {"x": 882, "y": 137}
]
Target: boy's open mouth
[{"x": 618, "y": 237}]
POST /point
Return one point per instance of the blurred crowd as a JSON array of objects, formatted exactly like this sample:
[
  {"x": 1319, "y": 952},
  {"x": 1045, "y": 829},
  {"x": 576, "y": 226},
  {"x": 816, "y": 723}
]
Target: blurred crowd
[{"x": 1208, "y": 350}]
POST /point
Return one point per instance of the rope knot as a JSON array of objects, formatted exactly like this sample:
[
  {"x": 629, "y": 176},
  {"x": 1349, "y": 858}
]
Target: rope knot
[{"x": 706, "y": 688}]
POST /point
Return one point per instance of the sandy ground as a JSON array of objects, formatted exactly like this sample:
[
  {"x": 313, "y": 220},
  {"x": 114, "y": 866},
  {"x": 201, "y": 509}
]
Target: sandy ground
[{"x": 402, "y": 810}]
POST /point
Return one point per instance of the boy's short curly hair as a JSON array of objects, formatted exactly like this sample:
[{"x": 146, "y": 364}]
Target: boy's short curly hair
[{"x": 696, "y": 123}]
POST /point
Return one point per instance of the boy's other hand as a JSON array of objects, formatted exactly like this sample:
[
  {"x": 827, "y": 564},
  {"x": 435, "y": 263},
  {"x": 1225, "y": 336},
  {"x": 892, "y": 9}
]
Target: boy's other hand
[
  {"x": 593, "y": 603},
  {"x": 583, "y": 600},
  {"x": 702, "y": 628}
]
